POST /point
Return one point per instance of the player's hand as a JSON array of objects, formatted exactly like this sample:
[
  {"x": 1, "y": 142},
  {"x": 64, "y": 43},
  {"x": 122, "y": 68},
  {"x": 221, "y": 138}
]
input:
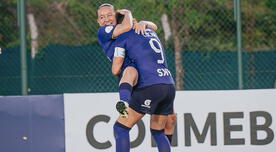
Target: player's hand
[
  {"x": 140, "y": 28},
  {"x": 121, "y": 107},
  {"x": 134, "y": 21},
  {"x": 123, "y": 11}
]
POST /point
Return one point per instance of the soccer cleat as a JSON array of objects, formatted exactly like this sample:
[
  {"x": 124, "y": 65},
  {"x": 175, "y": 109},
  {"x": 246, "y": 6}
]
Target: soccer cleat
[{"x": 121, "y": 107}]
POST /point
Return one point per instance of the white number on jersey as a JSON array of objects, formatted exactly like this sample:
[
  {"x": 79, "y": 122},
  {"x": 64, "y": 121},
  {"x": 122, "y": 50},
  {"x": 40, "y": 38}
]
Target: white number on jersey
[{"x": 157, "y": 50}]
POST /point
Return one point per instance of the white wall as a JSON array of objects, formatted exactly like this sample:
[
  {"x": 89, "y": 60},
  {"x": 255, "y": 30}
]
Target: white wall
[{"x": 228, "y": 112}]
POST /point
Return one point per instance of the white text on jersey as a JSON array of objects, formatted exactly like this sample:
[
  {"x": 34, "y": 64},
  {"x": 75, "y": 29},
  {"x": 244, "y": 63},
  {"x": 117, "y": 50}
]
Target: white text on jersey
[{"x": 163, "y": 72}]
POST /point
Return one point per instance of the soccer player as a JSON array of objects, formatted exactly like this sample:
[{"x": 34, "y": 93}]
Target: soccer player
[
  {"x": 155, "y": 90},
  {"x": 162, "y": 72},
  {"x": 107, "y": 33}
]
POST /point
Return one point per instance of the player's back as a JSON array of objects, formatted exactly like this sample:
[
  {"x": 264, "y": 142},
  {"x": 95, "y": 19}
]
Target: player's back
[{"x": 147, "y": 52}]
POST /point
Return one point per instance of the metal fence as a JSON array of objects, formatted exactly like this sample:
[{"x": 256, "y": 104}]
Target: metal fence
[{"x": 200, "y": 38}]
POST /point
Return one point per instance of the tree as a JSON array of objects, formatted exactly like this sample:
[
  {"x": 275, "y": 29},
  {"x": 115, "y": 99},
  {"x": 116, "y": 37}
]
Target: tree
[
  {"x": 9, "y": 36},
  {"x": 176, "y": 12}
]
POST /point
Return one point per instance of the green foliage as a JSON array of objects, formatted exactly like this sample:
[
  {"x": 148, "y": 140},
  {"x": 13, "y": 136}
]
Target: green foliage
[
  {"x": 271, "y": 4},
  {"x": 42, "y": 3},
  {"x": 203, "y": 24},
  {"x": 8, "y": 24}
]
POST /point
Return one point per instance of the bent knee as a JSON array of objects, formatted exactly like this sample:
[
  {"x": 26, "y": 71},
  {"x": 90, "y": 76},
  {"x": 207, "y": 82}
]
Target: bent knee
[
  {"x": 172, "y": 119},
  {"x": 131, "y": 71}
]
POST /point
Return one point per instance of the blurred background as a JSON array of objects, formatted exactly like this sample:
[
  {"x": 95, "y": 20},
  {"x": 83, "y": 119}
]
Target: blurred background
[{"x": 210, "y": 44}]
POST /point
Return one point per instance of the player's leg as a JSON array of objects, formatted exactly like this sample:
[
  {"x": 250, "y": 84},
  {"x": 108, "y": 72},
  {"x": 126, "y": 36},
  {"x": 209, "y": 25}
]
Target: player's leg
[
  {"x": 157, "y": 125},
  {"x": 160, "y": 114},
  {"x": 122, "y": 128},
  {"x": 170, "y": 126},
  {"x": 128, "y": 80},
  {"x": 124, "y": 124}
]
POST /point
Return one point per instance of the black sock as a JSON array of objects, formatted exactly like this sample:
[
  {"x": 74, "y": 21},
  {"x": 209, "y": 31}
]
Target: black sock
[
  {"x": 170, "y": 138},
  {"x": 125, "y": 90}
]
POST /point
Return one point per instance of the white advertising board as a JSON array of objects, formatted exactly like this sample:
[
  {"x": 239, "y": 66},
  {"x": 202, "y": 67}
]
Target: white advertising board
[{"x": 210, "y": 121}]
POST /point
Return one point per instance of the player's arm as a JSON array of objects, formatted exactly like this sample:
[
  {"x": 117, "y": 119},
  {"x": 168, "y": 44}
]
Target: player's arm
[
  {"x": 141, "y": 26},
  {"x": 118, "y": 60},
  {"x": 117, "y": 66},
  {"x": 126, "y": 24}
]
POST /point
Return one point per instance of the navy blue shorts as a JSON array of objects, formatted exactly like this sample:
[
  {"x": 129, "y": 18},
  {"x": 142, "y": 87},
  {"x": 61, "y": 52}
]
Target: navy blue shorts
[{"x": 155, "y": 99}]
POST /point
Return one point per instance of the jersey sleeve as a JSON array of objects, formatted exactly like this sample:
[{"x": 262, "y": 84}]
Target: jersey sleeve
[
  {"x": 105, "y": 33},
  {"x": 105, "y": 40}
]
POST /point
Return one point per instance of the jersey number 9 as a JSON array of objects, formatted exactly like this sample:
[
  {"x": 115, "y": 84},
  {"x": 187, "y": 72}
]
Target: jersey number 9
[{"x": 157, "y": 50}]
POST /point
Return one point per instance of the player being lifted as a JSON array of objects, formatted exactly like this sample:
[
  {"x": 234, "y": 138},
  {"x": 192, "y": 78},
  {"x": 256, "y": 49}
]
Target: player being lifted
[{"x": 144, "y": 99}]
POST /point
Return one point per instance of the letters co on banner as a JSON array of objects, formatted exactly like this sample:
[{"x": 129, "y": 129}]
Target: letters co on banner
[{"x": 238, "y": 120}]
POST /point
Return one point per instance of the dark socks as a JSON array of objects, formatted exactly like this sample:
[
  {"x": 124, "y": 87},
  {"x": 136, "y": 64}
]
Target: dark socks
[
  {"x": 125, "y": 90},
  {"x": 122, "y": 137},
  {"x": 169, "y": 138},
  {"x": 161, "y": 140}
]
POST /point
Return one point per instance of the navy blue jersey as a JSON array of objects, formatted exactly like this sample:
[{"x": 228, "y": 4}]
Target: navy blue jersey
[
  {"x": 108, "y": 44},
  {"x": 105, "y": 39},
  {"x": 147, "y": 52}
]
